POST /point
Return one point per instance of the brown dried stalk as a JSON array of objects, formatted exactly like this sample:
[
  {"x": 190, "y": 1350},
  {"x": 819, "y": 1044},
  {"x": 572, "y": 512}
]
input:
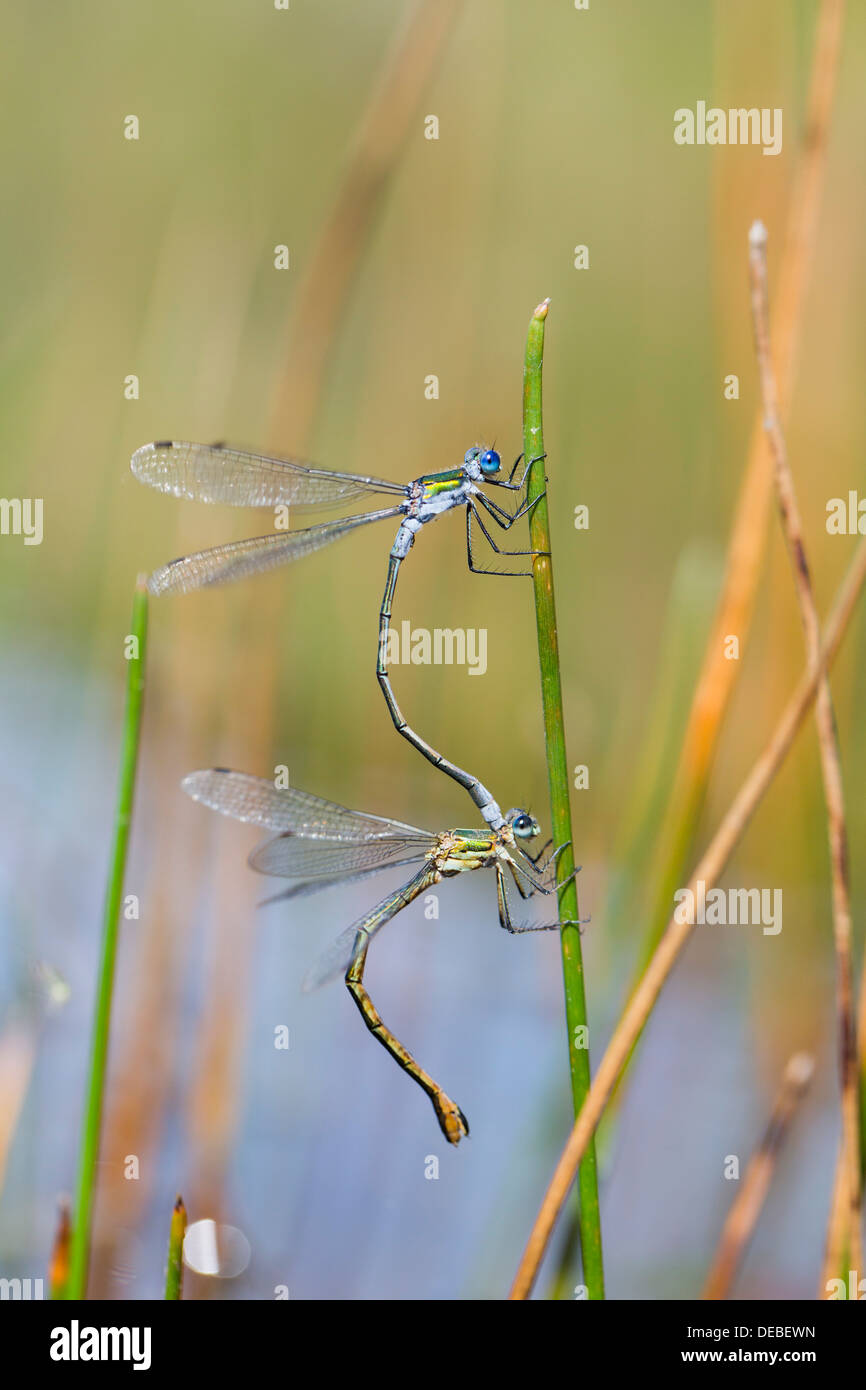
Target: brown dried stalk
[
  {"x": 746, "y": 1207},
  {"x": 677, "y": 933},
  {"x": 846, "y": 1230},
  {"x": 747, "y": 542}
]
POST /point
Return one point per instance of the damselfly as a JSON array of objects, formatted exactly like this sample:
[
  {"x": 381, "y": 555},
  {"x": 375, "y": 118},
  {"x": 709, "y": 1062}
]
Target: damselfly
[
  {"x": 213, "y": 473},
  {"x": 321, "y": 844}
]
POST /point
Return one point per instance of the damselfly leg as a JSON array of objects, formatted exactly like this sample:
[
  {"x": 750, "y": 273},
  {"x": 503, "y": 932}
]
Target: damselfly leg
[
  {"x": 503, "y": 519},
  {"x": 510, "y": 483},
  {"x": 505, "y": 918},
  {"x": 536, "y": 859},
  {"x": 479, "y": 569}
]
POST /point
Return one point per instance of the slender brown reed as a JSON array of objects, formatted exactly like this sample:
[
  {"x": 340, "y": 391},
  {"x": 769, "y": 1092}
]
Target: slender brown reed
[{"x": 844, "y": 1226}]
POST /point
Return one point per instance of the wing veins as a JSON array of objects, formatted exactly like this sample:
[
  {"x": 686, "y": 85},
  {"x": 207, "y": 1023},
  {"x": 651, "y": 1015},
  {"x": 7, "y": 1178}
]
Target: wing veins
[
  {"x": 233, "y": 477},
  {"x": 257, "y": 801}
]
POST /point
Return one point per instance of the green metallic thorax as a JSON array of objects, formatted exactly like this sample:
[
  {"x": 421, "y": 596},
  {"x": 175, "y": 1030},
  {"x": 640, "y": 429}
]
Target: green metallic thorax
[
  {"x": 462, "y": 851},
  {"x": 473, "y": 843},
  {"x": 435, "y": 484}
]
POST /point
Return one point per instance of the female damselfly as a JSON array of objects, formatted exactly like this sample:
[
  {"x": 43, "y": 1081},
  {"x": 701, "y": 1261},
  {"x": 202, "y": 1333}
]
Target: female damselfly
[
  {"x": 322, "y": 844},
  {"x": 214, "y": 473}
]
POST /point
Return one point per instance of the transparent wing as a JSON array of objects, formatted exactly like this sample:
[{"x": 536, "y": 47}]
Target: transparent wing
[
  {"x": 336, "y": 958},
  {"x": 318, "y": 885},
  {"x": 288, "y": 856},
  {"x": 212, "y": 473},
  {"x": 258, "y": 801},
  {"x": 238, "y": 559}
]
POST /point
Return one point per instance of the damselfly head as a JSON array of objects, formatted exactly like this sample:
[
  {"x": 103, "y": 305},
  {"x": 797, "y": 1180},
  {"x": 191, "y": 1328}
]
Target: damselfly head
[
  {"x": 524, "y": 826},
  {"x": 481, "y": 462}
]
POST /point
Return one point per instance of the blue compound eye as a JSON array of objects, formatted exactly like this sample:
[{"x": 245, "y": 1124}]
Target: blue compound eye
[
  {"x": 471, "y": 455},
  {"x": 490, "y": 461},
  {"x": 524, "y": 826}
]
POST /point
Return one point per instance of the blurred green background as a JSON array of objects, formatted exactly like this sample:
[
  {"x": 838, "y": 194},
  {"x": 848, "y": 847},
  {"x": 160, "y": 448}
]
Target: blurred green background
[{"x": 155, "y": 258}]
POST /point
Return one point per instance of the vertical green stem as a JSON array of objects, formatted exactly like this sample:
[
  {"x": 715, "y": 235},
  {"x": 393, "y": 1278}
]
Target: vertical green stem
[
  {"x": 89, "y": 1146},
  {"x": 174, "y": 1269},
  {"x": 558, "y": 783}
]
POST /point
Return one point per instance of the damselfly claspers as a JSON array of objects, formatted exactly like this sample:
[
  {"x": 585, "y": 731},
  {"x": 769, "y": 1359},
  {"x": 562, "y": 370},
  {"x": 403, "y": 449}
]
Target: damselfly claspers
[
  {"x": 214, "y": 473},
  {"x": 321, "y": 844}
]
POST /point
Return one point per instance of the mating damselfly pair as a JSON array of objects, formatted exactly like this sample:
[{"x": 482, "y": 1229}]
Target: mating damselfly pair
[{"x": 318, "y": 842}]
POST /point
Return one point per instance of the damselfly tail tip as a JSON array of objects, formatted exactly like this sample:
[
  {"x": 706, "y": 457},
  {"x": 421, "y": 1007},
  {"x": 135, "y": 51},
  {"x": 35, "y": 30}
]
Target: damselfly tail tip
[{"x": 452, "y": 1122}]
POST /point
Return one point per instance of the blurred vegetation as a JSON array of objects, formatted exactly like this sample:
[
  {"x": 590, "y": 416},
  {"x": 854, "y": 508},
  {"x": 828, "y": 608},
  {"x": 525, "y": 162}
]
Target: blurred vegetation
[{"x": 155, "y": 257}]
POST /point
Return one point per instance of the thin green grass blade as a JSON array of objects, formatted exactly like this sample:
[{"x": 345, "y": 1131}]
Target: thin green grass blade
[
  {"x": 76, "y": 1287},
  {"x": 558, "y": 782},
  {"x": 174, "y": 1269}
]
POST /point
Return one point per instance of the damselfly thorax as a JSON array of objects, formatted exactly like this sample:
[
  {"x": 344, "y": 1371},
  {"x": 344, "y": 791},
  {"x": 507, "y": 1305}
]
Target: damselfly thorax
[{"x": 461, "y": 851}]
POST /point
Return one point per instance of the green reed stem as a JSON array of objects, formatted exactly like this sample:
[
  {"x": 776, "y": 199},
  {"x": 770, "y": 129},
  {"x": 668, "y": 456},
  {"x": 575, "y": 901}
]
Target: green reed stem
[
  {"x": 76, "y": 1287},
  {"x": 558, "y": 783},
  {"x": 174, "y": 1269}
]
